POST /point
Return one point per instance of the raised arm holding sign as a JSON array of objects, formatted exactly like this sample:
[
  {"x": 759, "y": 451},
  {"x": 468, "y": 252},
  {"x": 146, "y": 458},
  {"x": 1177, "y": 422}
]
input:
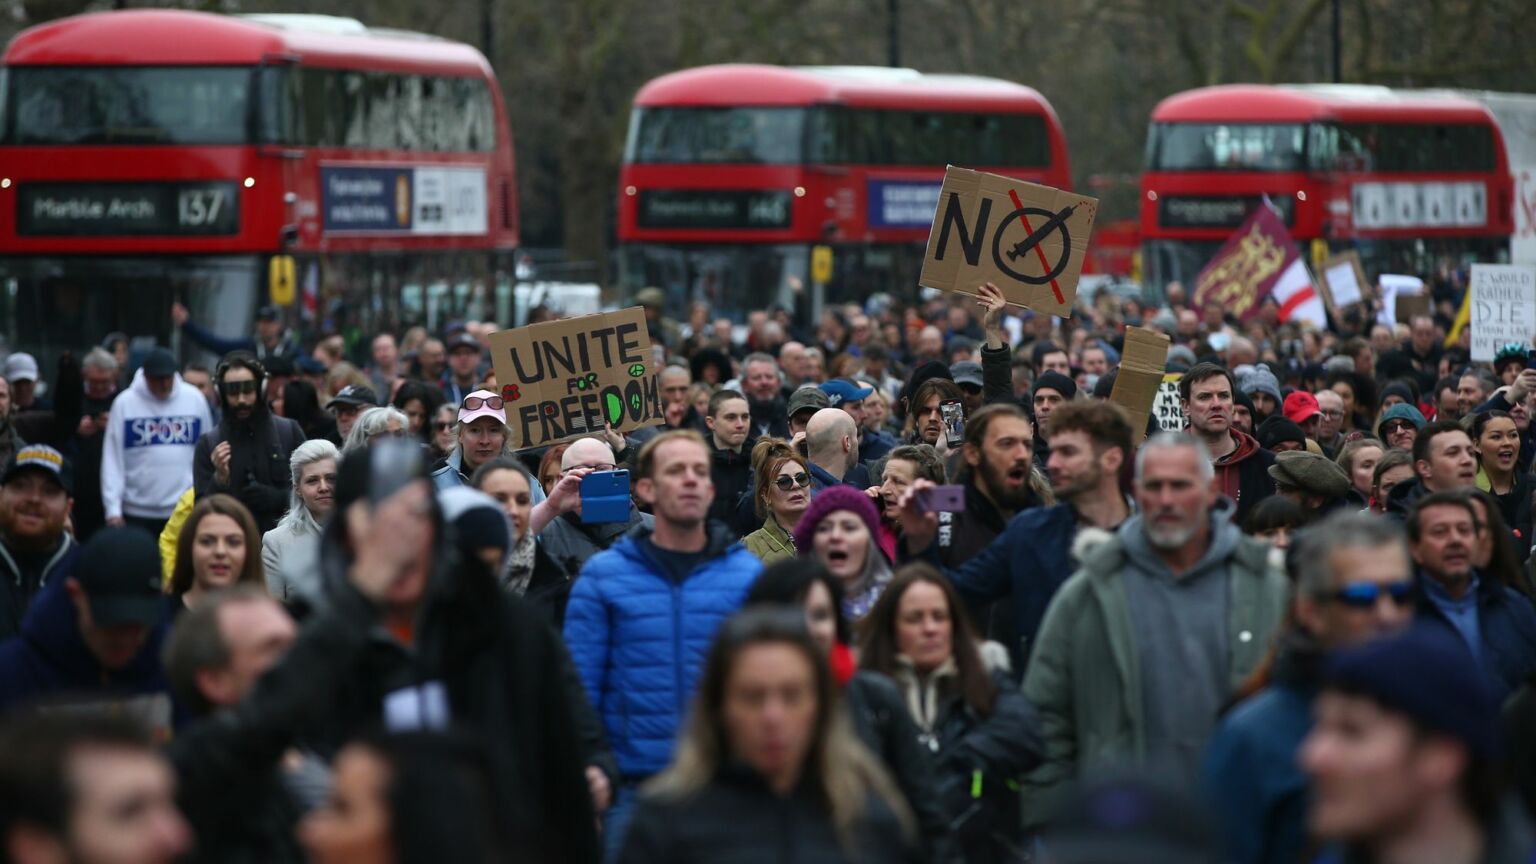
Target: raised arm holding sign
[{"x": 1027, "y": 239}]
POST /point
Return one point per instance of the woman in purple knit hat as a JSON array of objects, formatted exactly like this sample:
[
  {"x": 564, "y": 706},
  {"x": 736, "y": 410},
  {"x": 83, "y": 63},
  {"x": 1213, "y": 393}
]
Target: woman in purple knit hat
[{"x": 842, "y": 530}]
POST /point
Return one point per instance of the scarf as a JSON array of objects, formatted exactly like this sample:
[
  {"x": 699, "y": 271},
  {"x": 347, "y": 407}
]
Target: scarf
[
  {"x": 518, "y": 572},
  {"x": 862, "y": 594},
  {"x": 922, "y": 691}
]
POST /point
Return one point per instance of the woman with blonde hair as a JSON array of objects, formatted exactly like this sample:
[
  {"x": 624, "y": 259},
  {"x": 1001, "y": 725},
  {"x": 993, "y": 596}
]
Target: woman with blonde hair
[
  {"x": 290, "y": 553},
  {"x": 768, "y": 768},
  {"x": 343, "y": 375}
]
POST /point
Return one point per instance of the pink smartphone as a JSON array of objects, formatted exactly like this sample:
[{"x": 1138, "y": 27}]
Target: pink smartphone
[{"x": 942, "y": 499}]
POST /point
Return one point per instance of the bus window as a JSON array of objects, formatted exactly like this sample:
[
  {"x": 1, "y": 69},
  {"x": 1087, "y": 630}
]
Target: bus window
[
  {"x": 769, "y": 136},
  {"x": 854, "y": 136},
  {"x": 1404, "y": 147},
  {"x": 1227, "y": 147},
  {"x": 120, "y": 105}
]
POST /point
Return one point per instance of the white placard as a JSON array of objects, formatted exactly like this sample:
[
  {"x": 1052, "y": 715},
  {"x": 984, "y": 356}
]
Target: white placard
[
  {"x": 1394, "y": 285},
  {"x": 1503, "y": 307},
  {"x": 1167, "y": 407},
  {"x": 1343, "y": 285}
]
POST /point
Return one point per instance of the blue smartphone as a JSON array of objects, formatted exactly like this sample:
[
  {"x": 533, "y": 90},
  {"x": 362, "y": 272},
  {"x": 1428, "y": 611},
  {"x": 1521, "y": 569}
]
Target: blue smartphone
[{"x": 605, "y": 497}]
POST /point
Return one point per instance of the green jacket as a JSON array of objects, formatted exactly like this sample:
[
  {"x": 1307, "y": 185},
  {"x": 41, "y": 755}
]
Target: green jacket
[
  {"x": 1084, "y": 674},
  {"x": 770, "y": 542}
]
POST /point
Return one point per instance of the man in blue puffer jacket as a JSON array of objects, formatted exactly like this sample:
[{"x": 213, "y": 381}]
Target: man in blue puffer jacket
[{"x": 644, "y": 612}]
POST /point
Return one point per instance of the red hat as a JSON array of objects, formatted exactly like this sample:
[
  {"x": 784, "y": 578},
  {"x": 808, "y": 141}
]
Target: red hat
[{"x": 1300, "y": 407}]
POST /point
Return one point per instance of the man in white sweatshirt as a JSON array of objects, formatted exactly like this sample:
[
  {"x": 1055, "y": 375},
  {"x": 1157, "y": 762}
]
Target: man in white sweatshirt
[{"x": 146, "y": 459}]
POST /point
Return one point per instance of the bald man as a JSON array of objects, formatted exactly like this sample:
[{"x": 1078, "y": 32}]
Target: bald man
[
  {"x": 832, "y": 444},
  {"x": 567, "y": 540}
]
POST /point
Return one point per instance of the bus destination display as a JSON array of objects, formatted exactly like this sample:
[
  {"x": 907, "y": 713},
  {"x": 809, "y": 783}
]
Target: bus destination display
[{"x": 127, "y": 209}]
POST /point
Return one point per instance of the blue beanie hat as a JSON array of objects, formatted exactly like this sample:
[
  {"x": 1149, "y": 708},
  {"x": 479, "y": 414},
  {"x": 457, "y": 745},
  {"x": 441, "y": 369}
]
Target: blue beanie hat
[
  {"x": 830, "y": 500},
  {"x": 1427, "y": 675},
  {"x": 1400, "y": 411}
]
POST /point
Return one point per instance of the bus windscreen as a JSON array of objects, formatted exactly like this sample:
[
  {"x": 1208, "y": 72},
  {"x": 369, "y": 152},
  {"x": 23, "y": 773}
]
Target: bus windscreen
[
  {"x": 56, "y": 105},
  {"x": 1227, "y": 147}
]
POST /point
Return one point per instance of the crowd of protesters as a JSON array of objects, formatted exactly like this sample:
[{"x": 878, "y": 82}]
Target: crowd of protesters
[{"x": 904, "y": 584}]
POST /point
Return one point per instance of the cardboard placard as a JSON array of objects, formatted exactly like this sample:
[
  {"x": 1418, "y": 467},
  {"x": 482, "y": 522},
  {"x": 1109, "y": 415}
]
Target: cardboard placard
[
  {"x": 1028, "y": 240},
  {"x": 1142, "y": 366},
  {"x": 1503, "y": 307},
  {"x": 1343, "y": 282},
  {"x": 1168, "y": 407},
  {"x": 563, "y": 379}
]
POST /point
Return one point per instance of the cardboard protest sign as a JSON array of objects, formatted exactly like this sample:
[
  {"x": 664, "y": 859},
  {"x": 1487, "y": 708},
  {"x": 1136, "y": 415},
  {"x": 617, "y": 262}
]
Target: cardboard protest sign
[
  {"x": 1343, "y": 282},
  {"x": 1141, "y": 373},
  {"x": 1028, "y": 240},
  {"x": 1168, "y": 408},
  {"x": 1503, "y": 307},
  {"x": 564, "y": 379}
]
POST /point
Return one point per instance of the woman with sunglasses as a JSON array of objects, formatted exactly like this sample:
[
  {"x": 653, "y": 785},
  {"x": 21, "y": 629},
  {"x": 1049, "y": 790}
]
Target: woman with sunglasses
[
  {"x": 783, "y": 490},
  {"x": 444, "y": 434},
  {"x": 419, "y": 402},
  {"x": 482, "y": 436}
]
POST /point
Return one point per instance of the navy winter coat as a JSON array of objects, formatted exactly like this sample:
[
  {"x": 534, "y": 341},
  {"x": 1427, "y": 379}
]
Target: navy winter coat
[
  {"x": 1507, "y": 623},
  {"x": 49, "y": 661},
  {"x": 1030, "y": 560},
  {"x": 639, "y": 639}
]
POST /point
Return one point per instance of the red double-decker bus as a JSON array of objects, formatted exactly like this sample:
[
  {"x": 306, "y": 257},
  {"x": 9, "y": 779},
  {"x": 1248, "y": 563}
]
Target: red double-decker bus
[
  {"x": 733, "y": 174},
  {"x": 1412, "y": 181},
  {"x": 148, "y": 156}
]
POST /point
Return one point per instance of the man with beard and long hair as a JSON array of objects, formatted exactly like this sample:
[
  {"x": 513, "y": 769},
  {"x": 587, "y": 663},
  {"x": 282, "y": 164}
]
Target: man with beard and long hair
[
  {"x": 247, "y": 455},
  {"x": 1032, "y": 557}
]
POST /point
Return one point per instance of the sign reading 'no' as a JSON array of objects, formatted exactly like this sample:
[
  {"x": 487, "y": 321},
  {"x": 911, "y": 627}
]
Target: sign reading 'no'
[{"x": 1028, "y": 240}]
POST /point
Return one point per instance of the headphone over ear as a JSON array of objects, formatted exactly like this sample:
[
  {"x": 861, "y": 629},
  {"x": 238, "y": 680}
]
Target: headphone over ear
[{"x": 244, "y": 359}]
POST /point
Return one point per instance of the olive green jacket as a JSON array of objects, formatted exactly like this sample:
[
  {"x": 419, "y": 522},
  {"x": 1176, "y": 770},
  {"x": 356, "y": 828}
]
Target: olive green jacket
[
  {"x": 770, "y": 542},
  {"x": 1084, "y": 674}
]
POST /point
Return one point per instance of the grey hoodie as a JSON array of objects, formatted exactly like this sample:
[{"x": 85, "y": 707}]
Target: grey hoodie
[{"x": 1181, "y": 628}]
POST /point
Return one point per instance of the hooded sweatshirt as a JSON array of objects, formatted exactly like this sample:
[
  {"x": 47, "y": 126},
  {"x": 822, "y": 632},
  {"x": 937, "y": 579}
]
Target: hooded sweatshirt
[
  {"x": 1243, "y": 475},
  {"x": 1181, "y": 626},
  {"x": 146, "y": 461}
]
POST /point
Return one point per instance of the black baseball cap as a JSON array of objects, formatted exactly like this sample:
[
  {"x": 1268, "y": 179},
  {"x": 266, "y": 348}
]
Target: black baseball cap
[
  {"x": 353, "y": 394},
  {"x": 160, "y": 363},
  {"x": 463, "y": 340},
  {"x": 120, "y": 572},
  {"x": 268, "y": 313},
  {"x": 41, "y": 457}
]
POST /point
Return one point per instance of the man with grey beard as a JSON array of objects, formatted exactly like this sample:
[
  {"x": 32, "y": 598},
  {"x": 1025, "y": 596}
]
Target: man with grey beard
[{"x": 1149, "y": 639}]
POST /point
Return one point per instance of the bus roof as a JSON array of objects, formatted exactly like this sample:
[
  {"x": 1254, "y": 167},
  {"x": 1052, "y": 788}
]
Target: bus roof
[
  {"x": 868, "y": 86},
  {"x": 1302, "y": 103},
  {"x": 170, "y": 37}
]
